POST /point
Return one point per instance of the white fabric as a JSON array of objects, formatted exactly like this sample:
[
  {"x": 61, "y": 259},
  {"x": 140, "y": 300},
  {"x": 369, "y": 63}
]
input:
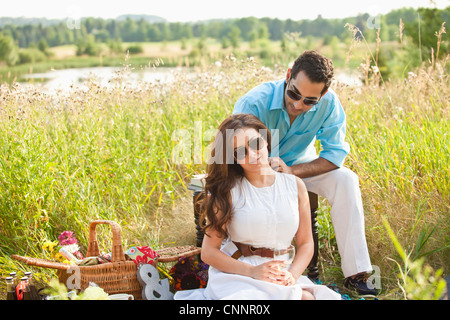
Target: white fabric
[
  {"x": 341, "y": 188},
  {"x": 263, "y": 217}
]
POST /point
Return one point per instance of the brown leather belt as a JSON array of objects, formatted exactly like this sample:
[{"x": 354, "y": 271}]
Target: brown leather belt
[{"x": 247, "y": 250}]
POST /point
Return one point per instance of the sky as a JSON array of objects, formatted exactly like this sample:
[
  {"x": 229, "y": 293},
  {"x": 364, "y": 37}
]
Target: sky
[{"x": 196, "y": 10}]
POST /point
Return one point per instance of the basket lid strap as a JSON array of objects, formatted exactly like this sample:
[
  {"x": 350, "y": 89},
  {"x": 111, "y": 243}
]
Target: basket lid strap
[{"x": 117, "y": 249}]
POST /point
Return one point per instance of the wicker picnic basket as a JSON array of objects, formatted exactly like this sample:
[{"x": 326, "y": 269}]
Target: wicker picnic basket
[{"x": 118, "y": 276}]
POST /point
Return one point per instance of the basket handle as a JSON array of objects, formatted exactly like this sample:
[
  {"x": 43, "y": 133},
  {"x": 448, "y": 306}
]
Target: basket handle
[{"x": 117, "y": 249}]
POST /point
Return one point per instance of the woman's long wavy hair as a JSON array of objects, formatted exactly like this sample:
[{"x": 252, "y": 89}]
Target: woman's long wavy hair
[{"x": 223, "y": 172}]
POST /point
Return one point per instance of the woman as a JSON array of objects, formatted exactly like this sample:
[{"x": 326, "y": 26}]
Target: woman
[{"x": 250, "y": 211}]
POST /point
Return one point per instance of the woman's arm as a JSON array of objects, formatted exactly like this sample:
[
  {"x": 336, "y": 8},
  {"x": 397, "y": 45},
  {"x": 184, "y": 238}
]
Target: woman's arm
[{"x": 303, "y": 237}]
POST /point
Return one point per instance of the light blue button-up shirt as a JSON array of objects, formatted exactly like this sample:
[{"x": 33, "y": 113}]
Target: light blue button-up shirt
[{"x": 296, "y": 143}]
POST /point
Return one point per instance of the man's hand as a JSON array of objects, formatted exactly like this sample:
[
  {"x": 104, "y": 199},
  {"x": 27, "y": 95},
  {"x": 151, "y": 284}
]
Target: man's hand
[
  {"x": 278, "y": 165},
  {"x": 303, "y": 170}
]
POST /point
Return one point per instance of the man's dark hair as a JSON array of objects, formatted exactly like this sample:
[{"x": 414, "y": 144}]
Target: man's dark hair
[{"x": 318, "y": 68}]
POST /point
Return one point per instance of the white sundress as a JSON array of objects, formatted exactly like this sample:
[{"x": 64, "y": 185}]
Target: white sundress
[{"x": 262, "y": 217}]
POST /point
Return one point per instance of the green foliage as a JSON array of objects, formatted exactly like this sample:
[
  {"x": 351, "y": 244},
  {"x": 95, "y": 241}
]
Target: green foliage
[
  {"x": 115, "y": 46},
  {"x": 425, "y": 29},
  {"x": 43, "y": 46},
  {"x": 250, "y": 28},
  {"x": 107, "y": 154},
  {"x": 88, "y": 46},
  {"x": 135, "y": 49},
  {"x": 8, "y": 50},
  {"x": 31, "y": 55},
  {"x": 100, "y": 154},
  {"x": 234, "y": 36},
  {"x": 417, "y": 280},
  {"x": 232, "y": 33}
]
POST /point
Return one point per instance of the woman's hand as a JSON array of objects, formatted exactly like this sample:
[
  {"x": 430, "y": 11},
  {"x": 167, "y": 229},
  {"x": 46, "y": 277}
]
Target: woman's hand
[
  {"x": 290, "y": 280},
  {"x": 271, "y": 271}
]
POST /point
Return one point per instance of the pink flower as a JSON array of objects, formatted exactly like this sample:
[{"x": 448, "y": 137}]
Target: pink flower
[{"x": 66, "y": 238}]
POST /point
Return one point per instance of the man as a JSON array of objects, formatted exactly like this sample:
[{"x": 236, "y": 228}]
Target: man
[{"x": 298, "y": 110}]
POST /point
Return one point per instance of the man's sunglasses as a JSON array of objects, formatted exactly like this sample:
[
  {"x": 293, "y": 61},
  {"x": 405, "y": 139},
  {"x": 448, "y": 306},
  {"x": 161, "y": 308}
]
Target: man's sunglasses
[
  {"x": 256, "y": 144},
  {"x": 297, "y": 97}
]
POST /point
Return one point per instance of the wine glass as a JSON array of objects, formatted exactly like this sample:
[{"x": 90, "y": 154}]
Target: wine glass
[{"x": 286, "y": 255}]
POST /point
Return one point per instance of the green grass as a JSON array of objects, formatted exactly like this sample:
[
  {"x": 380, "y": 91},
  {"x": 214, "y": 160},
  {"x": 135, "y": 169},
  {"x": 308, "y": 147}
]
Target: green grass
[
  {"x": 399, "y": 136},
  {"x": 107, "y": 154},
  {"x": 97, "y": 155}
]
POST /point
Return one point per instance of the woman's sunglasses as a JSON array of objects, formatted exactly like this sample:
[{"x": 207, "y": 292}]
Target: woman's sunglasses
[
  {"x": 256, "y": 144},
  {"x": 297, "y": 97}
]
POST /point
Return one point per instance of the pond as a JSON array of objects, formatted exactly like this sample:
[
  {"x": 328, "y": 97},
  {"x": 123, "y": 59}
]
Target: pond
[{"x": 57, "y": 80}]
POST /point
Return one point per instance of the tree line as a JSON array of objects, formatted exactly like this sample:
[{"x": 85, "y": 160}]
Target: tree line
[{"x": 89, "y": 31}]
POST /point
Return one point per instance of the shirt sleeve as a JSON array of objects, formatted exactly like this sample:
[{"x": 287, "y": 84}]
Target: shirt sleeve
[
  {"x": 332, "y": 135},
  {"x": 246, "y": 105}
]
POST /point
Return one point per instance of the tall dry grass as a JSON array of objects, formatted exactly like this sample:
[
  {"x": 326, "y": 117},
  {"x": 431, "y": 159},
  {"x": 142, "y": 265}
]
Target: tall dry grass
[{"x": 106, "y": 153}]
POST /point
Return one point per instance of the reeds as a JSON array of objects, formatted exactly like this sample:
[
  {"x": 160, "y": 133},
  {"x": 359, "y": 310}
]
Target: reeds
[
  {"x": 398, "y": 132},
  {"x": 106, "y": 153}
]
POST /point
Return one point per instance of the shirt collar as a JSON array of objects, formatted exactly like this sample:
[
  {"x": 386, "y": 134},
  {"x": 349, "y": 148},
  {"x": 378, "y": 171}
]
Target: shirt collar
[{"x": 278, "y": 95}]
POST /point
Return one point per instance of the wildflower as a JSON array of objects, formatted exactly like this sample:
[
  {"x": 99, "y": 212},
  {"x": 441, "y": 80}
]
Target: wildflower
[
  {"x": 66, "y": 238},
  {"x": 45, "y": 245},
  {"x": 49, "y": 245},
  {"x": 72, "y": 248},
  {"x": 189, "y": 274},
  {"x": 58, "y": 257},
  {"x": 189, "y": 281},
  {"x": 52, "y": 246}
]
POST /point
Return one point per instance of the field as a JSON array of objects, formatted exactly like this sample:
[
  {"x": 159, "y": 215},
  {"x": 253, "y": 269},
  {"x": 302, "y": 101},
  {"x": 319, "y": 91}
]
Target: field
[
  {"x": 108, "y": 154},
  {"x": 195, "y": 53}
]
